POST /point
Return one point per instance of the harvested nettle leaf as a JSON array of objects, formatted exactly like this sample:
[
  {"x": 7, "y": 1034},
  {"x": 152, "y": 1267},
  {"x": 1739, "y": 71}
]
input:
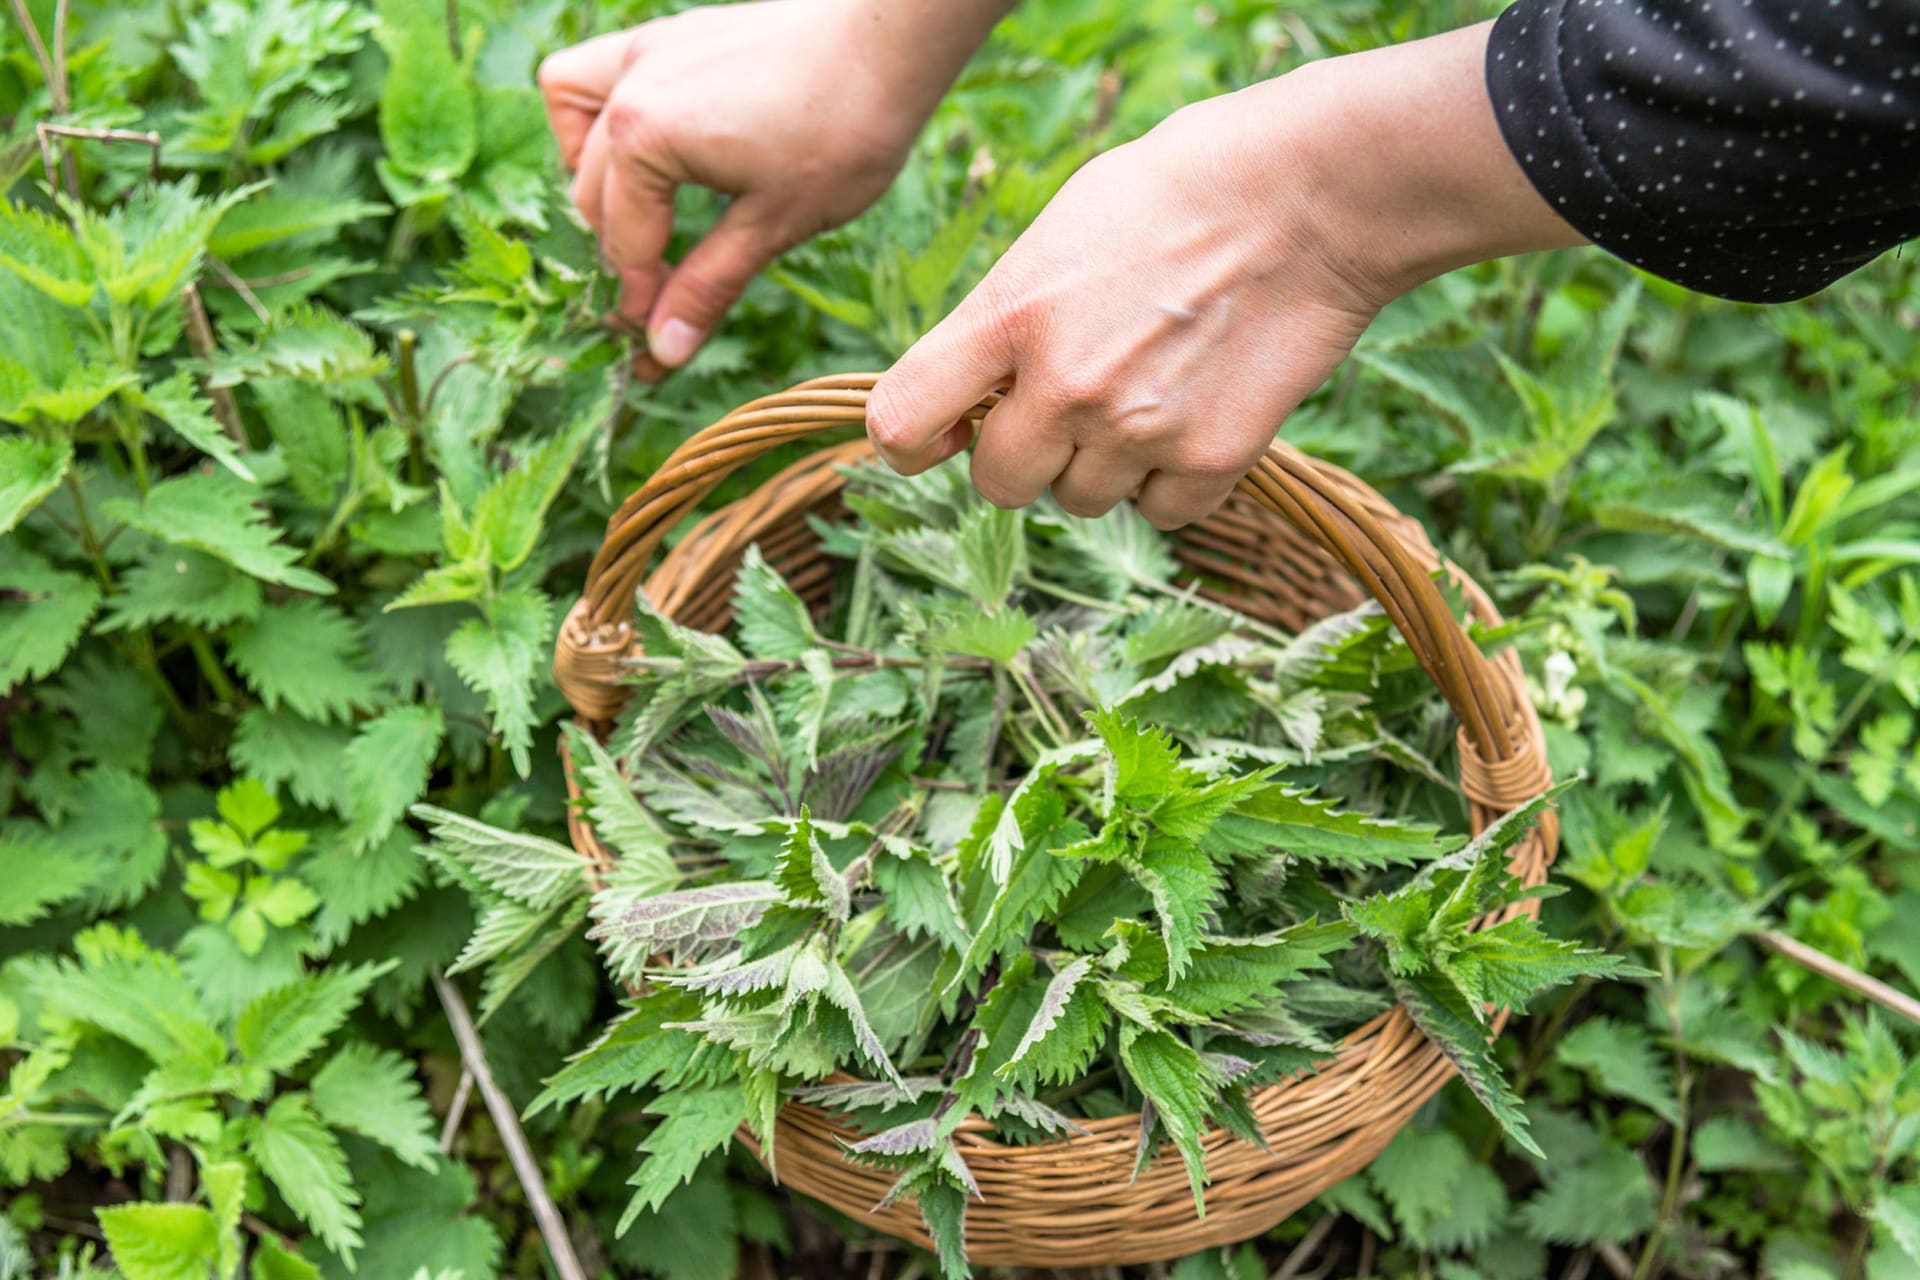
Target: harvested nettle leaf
[{"x": 1020, "y": 829}]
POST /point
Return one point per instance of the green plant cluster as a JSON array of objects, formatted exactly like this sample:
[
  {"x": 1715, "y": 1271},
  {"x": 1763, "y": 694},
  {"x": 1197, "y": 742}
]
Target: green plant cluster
[
  {"x": 310, "y": 428},
  {"x": 949, "y": 838}
]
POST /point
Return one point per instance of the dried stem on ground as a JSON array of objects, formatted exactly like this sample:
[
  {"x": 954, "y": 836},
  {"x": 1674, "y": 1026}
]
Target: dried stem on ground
[
  {"x": 553, "y": 1229},
  {"x": 1844, "y": 975}
]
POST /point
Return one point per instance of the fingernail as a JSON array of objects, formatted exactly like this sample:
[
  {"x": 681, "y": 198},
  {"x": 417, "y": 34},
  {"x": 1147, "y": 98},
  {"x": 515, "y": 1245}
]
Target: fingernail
[{"x": 674, "y": 342}]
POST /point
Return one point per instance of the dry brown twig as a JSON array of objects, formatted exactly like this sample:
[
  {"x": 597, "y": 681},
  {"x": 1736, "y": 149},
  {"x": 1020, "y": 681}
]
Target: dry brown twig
[
  {"x": 239, "y": 286},
  {"x": 553, "y": 1228},
  {"x": 40, "y": 53},
  {"x": 1842, "y": 974},
  {"x": 456, "y": 1111},
  {"x": 200, "y": 338},
  {"x": 1302, "y": 1253}
]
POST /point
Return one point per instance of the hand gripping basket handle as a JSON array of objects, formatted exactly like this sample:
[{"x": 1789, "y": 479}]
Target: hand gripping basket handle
[{"x": 1500, "y": 767}]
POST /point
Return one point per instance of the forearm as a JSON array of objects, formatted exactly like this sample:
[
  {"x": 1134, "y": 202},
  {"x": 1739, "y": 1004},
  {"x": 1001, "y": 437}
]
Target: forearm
[
  {"x": 1395, "y": 160},
  {"x": 919, "y": 46}
]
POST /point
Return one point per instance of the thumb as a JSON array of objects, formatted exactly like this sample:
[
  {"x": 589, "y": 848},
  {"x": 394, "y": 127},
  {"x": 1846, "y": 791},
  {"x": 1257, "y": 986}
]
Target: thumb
[
  {"x": 913, "y": 412},
  {"x": 709, "y": 280}
]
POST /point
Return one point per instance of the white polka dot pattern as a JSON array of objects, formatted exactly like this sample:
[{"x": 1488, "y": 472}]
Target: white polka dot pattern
[{"x": 1754, "y": 149}]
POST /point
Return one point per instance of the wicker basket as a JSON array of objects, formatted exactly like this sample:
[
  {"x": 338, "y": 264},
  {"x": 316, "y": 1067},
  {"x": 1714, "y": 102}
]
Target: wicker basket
[{"x": 1299, "y": 540}]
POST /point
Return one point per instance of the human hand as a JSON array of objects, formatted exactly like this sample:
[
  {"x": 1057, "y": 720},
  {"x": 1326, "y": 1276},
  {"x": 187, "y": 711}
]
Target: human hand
[
  {"x": 1183, "y": 293},
  {"x": 801, "y": 110}
]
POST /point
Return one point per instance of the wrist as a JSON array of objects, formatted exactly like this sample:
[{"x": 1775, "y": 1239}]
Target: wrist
[
  {"x": 914, "y": 49},
  {"x": 1392, "y": 167}
]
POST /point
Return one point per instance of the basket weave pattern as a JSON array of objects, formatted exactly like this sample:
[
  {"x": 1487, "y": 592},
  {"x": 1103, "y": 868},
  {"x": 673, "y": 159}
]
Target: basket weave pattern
[{"x": 1301, "y": 539}]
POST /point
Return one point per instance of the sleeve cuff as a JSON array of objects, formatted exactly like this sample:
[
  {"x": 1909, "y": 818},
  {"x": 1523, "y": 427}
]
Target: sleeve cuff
[{"x": 1545, "y": 96}]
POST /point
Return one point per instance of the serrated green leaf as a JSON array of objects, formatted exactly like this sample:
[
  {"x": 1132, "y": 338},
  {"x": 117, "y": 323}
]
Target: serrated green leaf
[
  {"x": 506, "y": 658},
  {"x": 1116, "y": 552},
  {"x": 692, "y": 1123},
  {"x": 920, "y": 900},
  {"x": 26, "y": 399},
  {"x": 428, "y": 119},
  {"x": 646, "y": 862},
  {"x": 280, "y": 1029},
  {"x": 416, "y": 1218},
  {"x": 1182, "y": 1087},
  {"x": 804, "y": 874},
  {"x": 40, "y": 249},
  {"x": 161, "y": 1241},
  {"x": 144, "y": 248},
  {"x": 133, "y": 993},
  {"x": 1441, "y": 1197},
  {"x": 509, "y": 514},
  {"x": 43, "y": 611},
  {"x": 1604, "y": 1197},
  {"x": 310, "y": 430},
  {"x": 355, "y": 887},
  {"x": 307, "y": 343},
  {"x": 307, "y": 656},
  {"x": 1183, "y": 882},
  {"x": 635, "y": 1050},
  {"x": 1620, "y": 1058},
  {"x": 372, "y": 1092},
  {"x": 271, "y": 219},
  {"x": 532, "y": 871},
  {"x": 1226, "y": 975},
  {"x": 30, "y": 469},
  {"x": 226, "y": 1184},
  {"x": 1454, "y": 1026},
  {"x": 771, "y": 620},
  {"x": 1289, "y": 819},
  {"x": 284, "y": 749},
  {"x": 1053, "y": 1007},
  {"x": 179, "y": 404},
  {"x": 189, "y": 586},
  {"x": 272, "y": 1261},
  {"x": 1507, "y": 964},
  {"x": 448, "y": 584},
  {"x": 1896, "y": 1210},
  {"x": 305, "y": 1164},
  {"x": 386, "y": 768},
  {"x": 1003, "y": 915},
  {"x": 217, "y": 514},
  {"x": 1142, "y": 763},
  {"x": 282, "y": 901},
  {"x": 995, "y": 634},
  {"x": 40, "y": 875}
]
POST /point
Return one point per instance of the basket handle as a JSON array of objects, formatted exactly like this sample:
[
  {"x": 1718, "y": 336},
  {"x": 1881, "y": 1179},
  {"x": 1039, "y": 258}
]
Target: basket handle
[{"x": 1501, "y": 765}]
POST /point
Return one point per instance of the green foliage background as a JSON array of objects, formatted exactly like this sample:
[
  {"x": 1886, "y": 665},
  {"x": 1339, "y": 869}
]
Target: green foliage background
[{"x": 311, "y": 430}]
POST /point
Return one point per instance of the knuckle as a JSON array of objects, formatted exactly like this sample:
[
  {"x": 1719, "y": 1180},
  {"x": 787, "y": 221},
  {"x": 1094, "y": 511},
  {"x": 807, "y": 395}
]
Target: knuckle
[
  {"x": 1081, "y": 388},
  {"x": 886, "y": 414},
  {"x": 1083, "y": 507},
  {"x": 631, "y": 124},
  {"x": 996, "y": 488},
  {"x": 1223, "y": 463}
]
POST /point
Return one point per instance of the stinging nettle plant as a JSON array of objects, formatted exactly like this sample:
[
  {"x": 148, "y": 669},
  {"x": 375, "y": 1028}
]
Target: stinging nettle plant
[{"x": 1016, "y": 830}]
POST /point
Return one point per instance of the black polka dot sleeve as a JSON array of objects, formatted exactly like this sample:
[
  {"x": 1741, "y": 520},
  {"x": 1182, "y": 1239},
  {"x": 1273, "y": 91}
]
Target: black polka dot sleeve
[{"x": 1754, "y": 149}]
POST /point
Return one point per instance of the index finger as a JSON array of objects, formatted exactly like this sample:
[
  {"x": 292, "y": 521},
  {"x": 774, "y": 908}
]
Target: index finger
[{"x": 576, "y": 83}]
